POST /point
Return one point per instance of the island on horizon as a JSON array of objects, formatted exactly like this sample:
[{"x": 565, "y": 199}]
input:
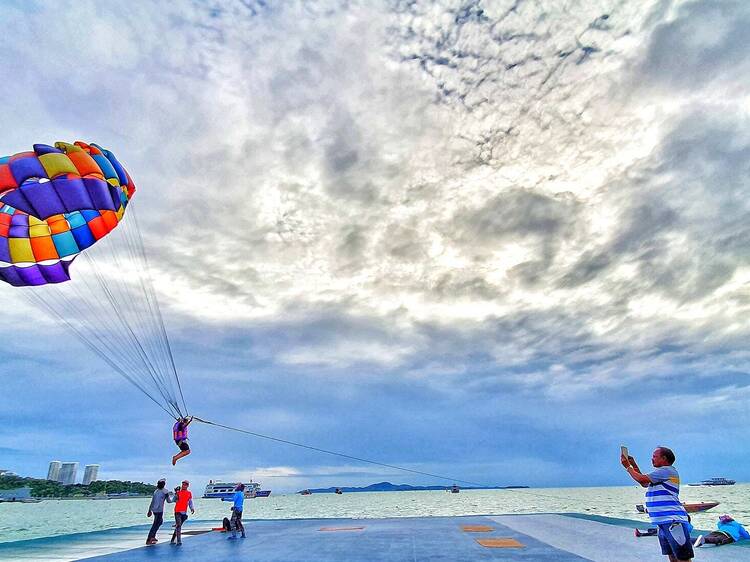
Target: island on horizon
[{"x": 388, "y": 487}]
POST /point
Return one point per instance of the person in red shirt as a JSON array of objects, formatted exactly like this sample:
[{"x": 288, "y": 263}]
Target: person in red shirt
[{"x": 184, "y": 500}]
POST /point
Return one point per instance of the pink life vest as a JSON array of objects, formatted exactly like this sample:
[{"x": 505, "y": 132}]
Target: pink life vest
[{"x": 179, "y": 432}]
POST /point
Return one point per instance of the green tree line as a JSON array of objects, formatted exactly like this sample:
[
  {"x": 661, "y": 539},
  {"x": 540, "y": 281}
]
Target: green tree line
[{"x": 50, "y": 489}]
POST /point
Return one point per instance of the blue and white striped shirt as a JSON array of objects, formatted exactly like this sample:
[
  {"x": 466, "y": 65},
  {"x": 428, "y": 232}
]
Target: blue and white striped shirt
[{"x": 663, "y": 496}]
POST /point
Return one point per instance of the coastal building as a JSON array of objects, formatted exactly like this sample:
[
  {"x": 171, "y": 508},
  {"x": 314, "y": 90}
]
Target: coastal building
[
  {"x": 68, "y": 473},
  {"x": 53, "y": 473},
  {"x": 90, "y": 474}
]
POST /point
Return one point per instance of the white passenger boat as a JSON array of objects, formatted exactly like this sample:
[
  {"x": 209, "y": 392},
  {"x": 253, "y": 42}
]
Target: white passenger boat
[
  {"x": 225, "y": 490},
  {"x": 714, "y": 482}
]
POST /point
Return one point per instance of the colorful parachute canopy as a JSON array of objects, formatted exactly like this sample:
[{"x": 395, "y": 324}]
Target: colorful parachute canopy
[{"x": 54, "y": 203}]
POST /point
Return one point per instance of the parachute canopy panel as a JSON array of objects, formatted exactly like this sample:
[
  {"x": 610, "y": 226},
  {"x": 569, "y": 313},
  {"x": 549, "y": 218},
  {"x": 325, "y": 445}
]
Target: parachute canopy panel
[{"x": 55, "y": 202}]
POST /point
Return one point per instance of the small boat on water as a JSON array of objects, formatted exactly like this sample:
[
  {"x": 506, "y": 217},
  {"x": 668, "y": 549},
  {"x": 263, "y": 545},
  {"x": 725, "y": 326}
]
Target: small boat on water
[
  {"x": 689, "y": 507},
  {"x": 714, "y": 482},
  {"x": 225, "y": 490}
]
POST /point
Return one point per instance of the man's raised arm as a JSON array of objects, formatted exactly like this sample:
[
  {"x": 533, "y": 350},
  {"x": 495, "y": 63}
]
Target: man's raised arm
[{"x": 635, "y": 473}]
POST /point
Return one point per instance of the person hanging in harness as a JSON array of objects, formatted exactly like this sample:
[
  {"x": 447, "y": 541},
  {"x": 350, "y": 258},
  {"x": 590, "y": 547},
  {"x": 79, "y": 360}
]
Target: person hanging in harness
[{"x": 180, "y": 435}]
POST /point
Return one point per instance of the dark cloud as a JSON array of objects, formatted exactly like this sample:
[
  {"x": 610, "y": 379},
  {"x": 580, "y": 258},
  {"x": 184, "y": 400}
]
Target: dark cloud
[
  {"x": 640, "y": 237},
  {"x": 457, "y": 285},
  {"x": 353, "y": 244},
  {"x": 518, "y": 216},
  {"x": 705, "y": 43},
  {"x": 684, "y": 216}
]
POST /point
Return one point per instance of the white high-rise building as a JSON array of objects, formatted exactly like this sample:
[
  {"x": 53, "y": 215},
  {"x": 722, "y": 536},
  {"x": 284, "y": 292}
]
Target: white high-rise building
[
  {"x": 68, "y": 473},
  {"x": 54, "y": 471},
  {"x": 90, "y": 474}
]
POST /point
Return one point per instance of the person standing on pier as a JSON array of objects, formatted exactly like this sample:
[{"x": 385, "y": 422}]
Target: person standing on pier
[
  {"x": 184, "y": 500},
  {"x": 663, "y": 503},
  {"x": 236, "y": 521},
  {"x": 157, "y": 509}
]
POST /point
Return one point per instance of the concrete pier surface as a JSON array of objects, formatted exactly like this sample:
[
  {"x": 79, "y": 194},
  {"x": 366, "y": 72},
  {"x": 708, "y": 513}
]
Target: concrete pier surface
[{"x": 542, "y": 537}]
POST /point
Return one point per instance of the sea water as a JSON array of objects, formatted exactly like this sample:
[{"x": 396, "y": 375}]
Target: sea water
[{"x": 60, "y": 517}]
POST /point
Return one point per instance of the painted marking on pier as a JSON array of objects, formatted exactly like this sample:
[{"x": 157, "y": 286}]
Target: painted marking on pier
[
  {"x": 341, "y": 529},
  {"x": 500, "y": 543},
  {"x": 477, "y": 528}
]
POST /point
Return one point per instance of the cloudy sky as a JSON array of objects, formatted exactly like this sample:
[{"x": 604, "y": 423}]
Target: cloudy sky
[{"x": 487, "y": 240}]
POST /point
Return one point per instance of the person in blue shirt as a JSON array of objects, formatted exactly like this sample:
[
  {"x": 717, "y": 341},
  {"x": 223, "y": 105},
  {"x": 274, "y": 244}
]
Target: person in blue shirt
[
  {"x": 729, "y": 531},
  {"x": 238, "y": 499}
]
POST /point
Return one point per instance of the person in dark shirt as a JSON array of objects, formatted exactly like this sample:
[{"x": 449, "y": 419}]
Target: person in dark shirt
[{"x": 157, "y": 509}]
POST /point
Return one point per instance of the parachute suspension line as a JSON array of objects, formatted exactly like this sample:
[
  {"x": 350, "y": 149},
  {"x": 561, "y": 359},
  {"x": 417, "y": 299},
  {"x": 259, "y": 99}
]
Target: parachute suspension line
[
  {"x": 147, "y": 318},
  {"x": 128, "y": 331},
  {"x": 523, "y": 492},
  {"x": 111, "y": 305},
  {"x": 119, "y": 285},
  {"x": 34, "y": 298},
  {"x": 140, "y": 318},
  {"x": 66, "y": 303},
  {"x": 138, "y": 250},
  {"x": 351, "y": 457},
  {"x": 133, "y": 319},
  {"x": 86, "y": 333},
  {"x": 144, "y": 319},
  {"x": 96, "y": 316},
  {"x": 159, "y": 316}
]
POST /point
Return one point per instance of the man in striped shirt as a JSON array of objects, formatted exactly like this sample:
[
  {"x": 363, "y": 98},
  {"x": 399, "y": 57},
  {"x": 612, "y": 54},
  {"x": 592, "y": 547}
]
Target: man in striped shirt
[{"x": 663, "y": 503}]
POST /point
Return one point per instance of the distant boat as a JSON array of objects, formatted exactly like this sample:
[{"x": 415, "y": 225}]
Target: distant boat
[
  {"x": 225, "y": 490},
  {"x": 714, "y": 482},
  {"x": 455, "y": 489},
  {"x": 689, "y": 507},
  {"x": 306, "y": 493}
]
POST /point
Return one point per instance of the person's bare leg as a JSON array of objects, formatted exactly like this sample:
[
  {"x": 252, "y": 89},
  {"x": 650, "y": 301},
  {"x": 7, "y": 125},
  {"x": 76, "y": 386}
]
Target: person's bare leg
[{"x": 178, "y": 456}]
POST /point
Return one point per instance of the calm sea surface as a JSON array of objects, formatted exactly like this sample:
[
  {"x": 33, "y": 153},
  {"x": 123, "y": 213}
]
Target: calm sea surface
[{"x": 50, "y": 518}]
